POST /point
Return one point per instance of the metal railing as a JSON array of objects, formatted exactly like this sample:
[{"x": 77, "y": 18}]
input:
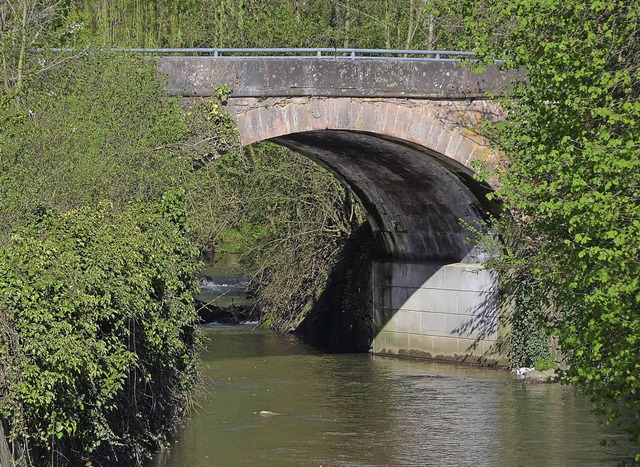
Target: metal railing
[{"x": 309, "y": 52}]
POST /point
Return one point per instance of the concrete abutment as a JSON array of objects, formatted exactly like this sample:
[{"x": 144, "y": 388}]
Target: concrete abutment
[{"x": 444, "y": 311}]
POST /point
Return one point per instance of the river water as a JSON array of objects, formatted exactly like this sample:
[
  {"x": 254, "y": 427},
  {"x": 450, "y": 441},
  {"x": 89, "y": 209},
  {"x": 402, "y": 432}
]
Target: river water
[{"x": 358, "y": 409}]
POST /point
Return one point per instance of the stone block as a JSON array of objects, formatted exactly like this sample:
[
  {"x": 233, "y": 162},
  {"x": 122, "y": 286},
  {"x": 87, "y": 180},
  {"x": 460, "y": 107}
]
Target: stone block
[
  {"x": 355, "y": 117},
  {"x": 378, "y": 345},
  {"x": 432, "y": 137},
  {"x": 368, "y": 118},
  {"x": 436, "y": 280},
  {"x": 433, "y": 324},
  {"x": 257, "y": 124},
  {"x": 461, "y": 325},
  {"x": 444, "y": 138},
  {"x": 318, "y": 108},
  {"x": 418, "y": 125},
  {"x": 383, "y": 297},
  {"x": 383, "y": 319},
  {"x": 444, "y": 301},
  {"x": 406, "y": 321},
  {"x": 342, "y": 121},
  {"x": 395, "y": 341},
  {"x": 454, "y": 142},
  {"x": 470, "y": 302},
  {"x": 401, "y": 122},
  {"x": 287, "y": 115},
  {"x": 464, "y": 276},
  {"x": 380, "y": 109},
  {"x": 391, "y": 112},
  {"x": 421, "y": 343},
  {"x": 405, "y": 274},
  {"x": 469, "y": 346},
  {"x": 444, "y": 346},
  {"x": 331, "y": 112},
  {"x": 301, "y": 118},
  {"x": 406, "y": 298}
]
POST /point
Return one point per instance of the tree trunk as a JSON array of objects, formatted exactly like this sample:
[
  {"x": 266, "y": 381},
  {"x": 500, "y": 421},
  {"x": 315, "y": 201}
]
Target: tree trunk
[
  {"x": 23, "y": 46},
  {"x": 431, "y": 37}
]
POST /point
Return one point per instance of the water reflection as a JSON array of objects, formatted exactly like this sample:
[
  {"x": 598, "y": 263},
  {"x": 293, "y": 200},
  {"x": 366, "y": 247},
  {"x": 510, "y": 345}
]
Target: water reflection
[{"x": 361, "y": 410}]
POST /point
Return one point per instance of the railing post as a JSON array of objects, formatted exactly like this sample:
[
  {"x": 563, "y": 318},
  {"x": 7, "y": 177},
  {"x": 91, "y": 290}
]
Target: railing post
[{"x": 353, "y": 55}]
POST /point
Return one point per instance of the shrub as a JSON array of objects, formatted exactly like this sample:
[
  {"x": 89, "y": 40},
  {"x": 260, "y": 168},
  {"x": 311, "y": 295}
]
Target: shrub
[
  {"x": 543, "y": 364},
  {"x": 527, "y": 339},
  {"x": 97, "y": 341}
]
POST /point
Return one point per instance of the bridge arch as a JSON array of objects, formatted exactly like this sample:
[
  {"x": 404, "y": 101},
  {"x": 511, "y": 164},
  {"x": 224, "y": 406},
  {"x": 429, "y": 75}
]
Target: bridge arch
[
  {"x": 410, "y": 162},
  {"x": 399, "y": 132},
  {"x": 443, "y": 127}
]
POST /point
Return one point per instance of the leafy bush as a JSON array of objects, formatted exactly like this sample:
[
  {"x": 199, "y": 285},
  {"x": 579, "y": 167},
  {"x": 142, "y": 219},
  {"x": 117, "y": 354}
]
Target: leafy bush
[
  {"x": 104, "y": 128},
  {"x": 97, "y": 342},
  {"x": 527, "y": 340},
  {"x": 543, "y": 364},
  {"x": 97, "y": 348}
]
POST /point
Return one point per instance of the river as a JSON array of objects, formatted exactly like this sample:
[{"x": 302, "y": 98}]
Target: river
[{"x": 358, "y": 409}]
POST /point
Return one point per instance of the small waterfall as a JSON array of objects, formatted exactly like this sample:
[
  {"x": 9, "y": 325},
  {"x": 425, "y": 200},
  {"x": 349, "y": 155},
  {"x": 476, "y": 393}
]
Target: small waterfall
[
  {"x": 223, "y": 299},
  {"x": 224, "y": 285}
]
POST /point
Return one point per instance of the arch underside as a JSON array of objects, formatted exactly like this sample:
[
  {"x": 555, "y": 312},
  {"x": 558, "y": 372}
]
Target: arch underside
[
  {"x": 417, "y": 204},
  {"x": 410, "y": 162}
]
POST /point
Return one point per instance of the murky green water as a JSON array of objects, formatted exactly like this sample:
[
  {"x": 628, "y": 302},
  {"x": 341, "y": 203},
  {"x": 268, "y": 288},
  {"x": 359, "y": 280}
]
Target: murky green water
[{"x": 353, "y": 410}]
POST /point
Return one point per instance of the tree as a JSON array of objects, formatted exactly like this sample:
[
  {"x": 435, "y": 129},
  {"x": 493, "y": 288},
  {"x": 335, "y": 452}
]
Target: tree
[
  {"x": 97, "y": 333},
  {"x": 101, "y": 223},
  {"x": 412, "y": 24},
  {"x": 571, "y": 179},
  {"x": 295, "y": 218}
]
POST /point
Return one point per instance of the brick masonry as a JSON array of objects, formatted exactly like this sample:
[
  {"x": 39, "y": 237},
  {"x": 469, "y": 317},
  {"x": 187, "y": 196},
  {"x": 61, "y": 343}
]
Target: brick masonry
[{"x": 444, "y": 126}]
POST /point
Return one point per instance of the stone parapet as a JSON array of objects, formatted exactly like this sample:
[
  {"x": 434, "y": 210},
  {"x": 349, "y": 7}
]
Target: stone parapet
[{"x": 305, "y": 76}]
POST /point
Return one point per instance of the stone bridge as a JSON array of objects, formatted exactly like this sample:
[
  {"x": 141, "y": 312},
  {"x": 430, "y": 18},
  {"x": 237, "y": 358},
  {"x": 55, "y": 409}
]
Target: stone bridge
[{"x": 400, "y": 134}]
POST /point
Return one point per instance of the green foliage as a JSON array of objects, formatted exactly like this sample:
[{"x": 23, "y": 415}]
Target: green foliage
[
  {"x": 290, "y": 218},
  {"x": 222, "y": 92},
  {"x": 543, "y": 364},
  {"x": 100, "y": 203},
  {"x": 572, "y": 142},
  {"x": 76, "y": 124},
  {"x": 527, "y": 339},
  {"x": 413, "y": 24},
  {"x": 97, "y": 347},
  {"x": 103, "y": 128}
]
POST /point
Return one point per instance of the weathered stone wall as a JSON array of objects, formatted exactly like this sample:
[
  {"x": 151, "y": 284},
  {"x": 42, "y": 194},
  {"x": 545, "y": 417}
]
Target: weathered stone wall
[
  {"x": 306, "y": 76},
  {"x": 445, "y": 127},
  {"x": 434, "y": 310}
]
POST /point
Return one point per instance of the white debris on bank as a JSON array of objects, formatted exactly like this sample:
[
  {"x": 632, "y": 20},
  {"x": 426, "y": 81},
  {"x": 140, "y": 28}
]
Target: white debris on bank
[
  {"x": 521, "y": 373},
  {"x": 531, "y": 375}
]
